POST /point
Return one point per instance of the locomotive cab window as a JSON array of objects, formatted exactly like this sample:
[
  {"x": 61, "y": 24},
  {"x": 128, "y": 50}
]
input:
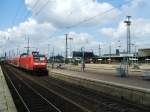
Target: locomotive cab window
[
  {"x": 36, "y": 58},
  {"x": 42, "y": 58},
  {"x": 39, "y": 57}
]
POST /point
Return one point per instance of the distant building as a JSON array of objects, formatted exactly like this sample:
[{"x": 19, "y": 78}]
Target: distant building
[
  {"x": 115, "y": 55},
  {"x": 117, "y": 52},
  {"x": 79, "y": 54},
  {"x": 144, "y": 52}
]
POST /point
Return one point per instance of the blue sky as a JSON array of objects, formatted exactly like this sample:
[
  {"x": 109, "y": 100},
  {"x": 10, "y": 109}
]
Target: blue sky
[
  {"x": 45, "y": 23},
  {"x": 11, "y": 12}
]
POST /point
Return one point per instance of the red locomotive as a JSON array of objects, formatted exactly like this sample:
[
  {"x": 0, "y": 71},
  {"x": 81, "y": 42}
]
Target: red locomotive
[{"x": 30, "y": 62}]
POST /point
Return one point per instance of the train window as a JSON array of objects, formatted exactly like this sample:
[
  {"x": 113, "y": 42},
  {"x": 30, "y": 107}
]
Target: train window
[
  {"x": 39, "y": 57},
  {"x": 35, "y": 53},
  {"x": 42, "y": 58},
  {"x": 36, "y": 58}
]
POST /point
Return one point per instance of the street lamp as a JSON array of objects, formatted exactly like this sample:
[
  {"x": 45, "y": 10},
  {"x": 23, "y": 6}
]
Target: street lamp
[
  {"x": 83, "y": 60},
  {"x": 135, "y": 53},
  {"x": 70, "y": 38},
  {"x": 48, "y": 52},
  {"x": 109, "y": 54},
  {"x": 53, "y": 59},
  {"x": 119, "y": 45},
  {"x": 99, "y": 50}
]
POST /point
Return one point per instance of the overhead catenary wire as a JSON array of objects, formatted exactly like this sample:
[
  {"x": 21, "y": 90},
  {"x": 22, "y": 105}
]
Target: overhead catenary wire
[
  {"x": 74, "y": 25},
  {"x": 41, "y": 8},
  {"x": 90, "y": 18},
  {"x": 85, "y": 20},
  {"x": 19, "y": 8},
  {"x": 93, "y": 17},
  {"x": 28, "y": 12},
  {"x": 17, "y": 12},
  {"x": 71, "y": 12}
]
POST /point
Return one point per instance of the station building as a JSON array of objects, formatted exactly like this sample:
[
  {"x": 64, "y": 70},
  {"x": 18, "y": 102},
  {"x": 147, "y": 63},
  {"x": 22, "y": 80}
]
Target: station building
[
  {"x": 144, "y": 52},
  {"x": 78, "y": 55},
  {"x": 142, "y": 56}
]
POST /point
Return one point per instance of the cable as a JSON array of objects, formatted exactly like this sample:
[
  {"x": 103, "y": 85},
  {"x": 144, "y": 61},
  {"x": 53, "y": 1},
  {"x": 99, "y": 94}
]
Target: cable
[
  {"x": 46, "y": 3},
  {"x": 73, "y": 10},
  {"x": 28, "y": 12},
  {"x": 17, "y": 12},
  {"x": 85, "y": 20},
  {"x": 90, "y": 18}
]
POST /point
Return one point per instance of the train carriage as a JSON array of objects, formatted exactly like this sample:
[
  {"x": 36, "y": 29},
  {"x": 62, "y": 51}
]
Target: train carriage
[
  {"x": 30, "y": 62},
  {"x": 34, "y": 61}
]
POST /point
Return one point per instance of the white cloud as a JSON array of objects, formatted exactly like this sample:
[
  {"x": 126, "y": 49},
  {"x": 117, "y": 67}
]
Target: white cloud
[
  {"x": 48, "y": 16},
  {"x": 136, "y": 8},
  {"x": 119, "y": 32},
  {"x": 15, "y": 37},
  {"x": 78, "y": 40},
  {"x": 140, "y": 31},
  {"x": 63, "y": 13}
]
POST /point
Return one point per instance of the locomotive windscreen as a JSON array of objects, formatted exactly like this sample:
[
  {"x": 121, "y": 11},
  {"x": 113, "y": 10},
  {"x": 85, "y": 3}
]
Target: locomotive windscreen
[
  {"x": 39, "y": 57},
  {"x": 35, "y": 53}
]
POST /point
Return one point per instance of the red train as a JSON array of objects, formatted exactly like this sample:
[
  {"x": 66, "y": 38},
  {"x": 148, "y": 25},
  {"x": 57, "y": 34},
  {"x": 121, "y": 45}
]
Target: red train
[{"x": 30, "y": 62}]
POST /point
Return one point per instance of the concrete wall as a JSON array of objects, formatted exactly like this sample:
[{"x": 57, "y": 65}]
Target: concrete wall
[{"x": 137, "y": 95}]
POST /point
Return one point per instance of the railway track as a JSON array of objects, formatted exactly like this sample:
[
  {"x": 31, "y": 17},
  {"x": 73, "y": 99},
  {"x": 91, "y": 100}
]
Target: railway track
[
  {"x": 97, "y": 102},
  {"x": 35, "y": 98},
  {"x": 67, "y": 97}
]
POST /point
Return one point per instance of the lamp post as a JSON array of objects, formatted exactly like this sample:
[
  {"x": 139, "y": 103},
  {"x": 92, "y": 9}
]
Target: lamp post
[
  {"x": 70, "y": 38},
  {"x": 53, "y": 59},
  {"x": 109, "y": 54},
  {"x": 48, "y": 52},
  {"x": 119, "y": 46},
  {"x": 136, "y": 55},
  {"x": 132, "y": 54},
  {"x": 66, "y": 57},
  {"x": 28, "y": 46},
  {"x": 99, "y": 51},
  {"x": 17, "y": 51},
  {"x": 83, "y": 60}
]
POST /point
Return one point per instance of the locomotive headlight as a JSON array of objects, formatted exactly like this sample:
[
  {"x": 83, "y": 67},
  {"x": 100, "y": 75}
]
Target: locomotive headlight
[
  {"x": 39, "y": 63},
  {"x": 36, "y": 63}
]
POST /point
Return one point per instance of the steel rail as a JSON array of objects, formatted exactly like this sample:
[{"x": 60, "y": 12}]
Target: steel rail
[
  {"x": 21, "y": 98},
  {"x": 37, "y": 93}
]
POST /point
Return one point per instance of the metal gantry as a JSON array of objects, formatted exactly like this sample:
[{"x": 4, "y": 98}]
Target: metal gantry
[{"x": 128, "y": 23}]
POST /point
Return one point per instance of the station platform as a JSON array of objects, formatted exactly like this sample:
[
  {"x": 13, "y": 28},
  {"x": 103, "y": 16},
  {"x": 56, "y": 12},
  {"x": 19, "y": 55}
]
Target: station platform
[
  {"x": 133, "y": 89},
  {"x": 6, "y": 101}
]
